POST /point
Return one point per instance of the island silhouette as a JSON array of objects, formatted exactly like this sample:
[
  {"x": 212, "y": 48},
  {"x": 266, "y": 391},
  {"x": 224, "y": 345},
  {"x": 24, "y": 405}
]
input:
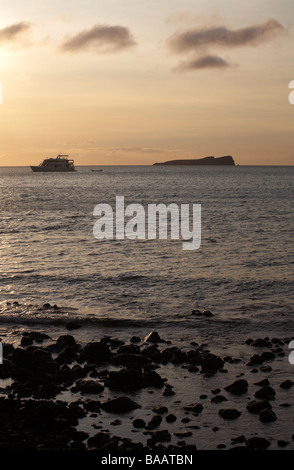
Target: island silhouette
[{"x": 226, "y": 160}]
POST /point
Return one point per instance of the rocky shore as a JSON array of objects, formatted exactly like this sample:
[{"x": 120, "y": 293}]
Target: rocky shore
[{"x": 50, "y": 386}]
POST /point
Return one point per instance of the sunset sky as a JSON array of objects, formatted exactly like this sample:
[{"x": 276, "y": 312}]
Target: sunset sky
[{"x": 133, "y": 82}]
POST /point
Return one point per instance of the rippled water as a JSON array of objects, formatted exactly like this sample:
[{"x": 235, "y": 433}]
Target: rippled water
[{"x": 242, "y": 273}]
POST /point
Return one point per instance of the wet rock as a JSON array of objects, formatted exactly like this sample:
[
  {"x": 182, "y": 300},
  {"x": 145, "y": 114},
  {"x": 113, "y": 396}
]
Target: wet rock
[
  {"x": 87, "y": 387},
  {"x": 47, "y": 391},
  {"x": 257, "y": 443},
  {"x": 73, "y": 325},
  {"x": 218, "y": 399},
  {"x": 65, "y": 340},
  {"x": 256, "y": 407},
  {"x": 196, "y": 408},
  {"x": 125, "y": 380},
  {"x": 255, "y": 359},
  {"x": 120, "y": 405},
  {"x": 135, "y": 339},
  {"x": 238, "y": 387},
  {"x": 266, "y": 392},
  {"x": 160, "y": 410},
  {"x": 282, "y": 443},
  {"x": 139, "y": 423},
  {"x": 153, "y": 337},
  {"x": 130, "y": 359},
  {"x": 287, "y": 384},
  {"x": 154, "y": 422},
  {"x": 161, "y": 436},
  {"x": 153, "y": 379},
  {"x": 229, "y": 413},
  {"x": 210, "y": 363},
  {"x": 92, "y": 406},
  {"x": 267, "y": 416},
  {"x": 268, "y": 356},
  {"x": 263, "y": 382},
  {"x": 96, "y": 352},
  {"x": 170, "y": 418},
  {"x": 261, "y": 343}
]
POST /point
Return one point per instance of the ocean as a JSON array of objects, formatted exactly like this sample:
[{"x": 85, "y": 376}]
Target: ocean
[{"x": 242, "y": 273}]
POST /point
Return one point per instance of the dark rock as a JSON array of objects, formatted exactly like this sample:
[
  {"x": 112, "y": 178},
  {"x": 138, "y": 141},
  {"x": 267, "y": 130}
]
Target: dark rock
[
  {"x": 128, "y": 349},
  {"x": 170, "y": 418},
  {"x": 282, "y": 443},
  {"x": 65, "y": 340},
  {"x": 135, "y": 339},
  {"x": 210, "y": 362},
  {"x": 238, "y": 387},
  {"x": 73, "y": 325},
  {"x": 255, "y": 359},
  {"x": 153, "y": 379},
  {"x": 238, "y": 440},
  {"x": 139, "y": 423},
  {"x": 125, "y": 380},
  {"x": 87, "y": 387},
  {"x": 120, "y": 405},
  {"x": 268, "y": 356},
  {"x": 48, "y": 391},
  {"x": 130, "y": 359},
  {"x": 287, "y": 384},
  {"x": 218, "y": 399},
  {"x": 96, "y": 352},
  {"x": 229, "y": 413},
  {"x": 249, "y": 341},
  {"x": 266, "y": 393},
  {"x": 261, "y": 343},
  {"x": 161, "y": 436},
  {"x": 267, "y": 416},
  {"x": 160, "y": 410},
  {"x": 154, "y": 422},
  {"x": 257, "y": 443},
  {"x": 263, "y": 382},
  {"x": 196, "y": 408},
  {"x": 257, "y": 406},
  {"x": 153, "y": 337},
  {"x": 92, "y": 406}
]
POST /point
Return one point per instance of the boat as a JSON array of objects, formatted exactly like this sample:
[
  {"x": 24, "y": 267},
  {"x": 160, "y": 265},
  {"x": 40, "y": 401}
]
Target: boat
[
  {"x": 59, "y": 164},
  {"x": 96, "y": 170}
]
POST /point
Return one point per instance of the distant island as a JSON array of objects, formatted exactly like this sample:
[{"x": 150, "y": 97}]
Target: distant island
[{"x": 227, "y": 160}]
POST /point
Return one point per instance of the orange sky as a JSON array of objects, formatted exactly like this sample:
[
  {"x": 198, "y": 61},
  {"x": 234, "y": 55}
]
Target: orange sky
[{"x": 114, "y": 82}]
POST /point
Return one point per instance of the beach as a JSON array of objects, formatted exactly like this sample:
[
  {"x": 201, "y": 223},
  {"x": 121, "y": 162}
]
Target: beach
[{"x": 152, "y": 393}]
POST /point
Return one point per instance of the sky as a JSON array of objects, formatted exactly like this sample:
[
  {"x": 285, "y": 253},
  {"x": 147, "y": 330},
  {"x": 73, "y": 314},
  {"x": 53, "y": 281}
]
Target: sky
[{"x": 135, "y": 82}]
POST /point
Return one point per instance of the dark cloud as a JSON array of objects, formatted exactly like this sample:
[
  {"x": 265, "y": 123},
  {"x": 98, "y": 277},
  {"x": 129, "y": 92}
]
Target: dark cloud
[
  {"x": 101, "y": 38},
  {"x": 222, "y": 36},
  {"x": 203, "y": 62},
  {"x": 11, "y": 33},
  {"x": 200, "y": 40}
]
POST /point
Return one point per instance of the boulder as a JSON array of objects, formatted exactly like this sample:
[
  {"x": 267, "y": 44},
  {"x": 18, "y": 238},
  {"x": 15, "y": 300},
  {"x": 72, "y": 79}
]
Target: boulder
[
  {"x": 229, "y": 413},
  {"x": 267, "y": 416},
  {"x": 256, "y": 407},
  {"x": 266, "y": 393},
  {"x": 96, "y": 352},
  {"x": 120, "y": 405},
  {"x": 257, "y": 443},
  {"x": 210, "y": 363},
  {"x": 153, "y": 337},
  {"x": 238, "y": 387}
]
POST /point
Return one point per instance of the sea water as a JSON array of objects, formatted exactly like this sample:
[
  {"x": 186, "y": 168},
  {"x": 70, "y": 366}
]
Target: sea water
[{"x": 242, "y": 273}]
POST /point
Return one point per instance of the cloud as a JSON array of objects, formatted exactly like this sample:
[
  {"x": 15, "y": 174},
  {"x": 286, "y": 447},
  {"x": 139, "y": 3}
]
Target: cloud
[
  {"x": 203, "y": 62},
  {"x": 200, "y": 40},
  {"x": 102, "y": 38},
  {"x": 194, "y": 39},
  {"x": 13, "y": 32}
]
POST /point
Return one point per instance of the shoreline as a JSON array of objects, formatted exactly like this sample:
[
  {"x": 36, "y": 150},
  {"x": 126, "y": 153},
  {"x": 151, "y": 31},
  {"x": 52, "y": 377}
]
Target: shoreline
[{"x": 143, "y": 394}]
